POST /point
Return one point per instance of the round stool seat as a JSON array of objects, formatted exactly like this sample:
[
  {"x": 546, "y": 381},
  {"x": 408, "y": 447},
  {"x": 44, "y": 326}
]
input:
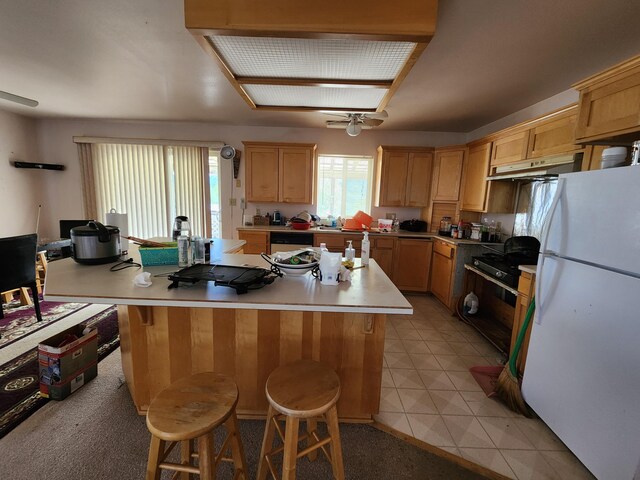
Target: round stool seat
[
  {"x": 303, "y": 389},
  {"x": 192, "y": 406}
]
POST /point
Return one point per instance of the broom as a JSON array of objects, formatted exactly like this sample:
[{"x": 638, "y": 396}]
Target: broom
[{"x": 508, "y": 385}]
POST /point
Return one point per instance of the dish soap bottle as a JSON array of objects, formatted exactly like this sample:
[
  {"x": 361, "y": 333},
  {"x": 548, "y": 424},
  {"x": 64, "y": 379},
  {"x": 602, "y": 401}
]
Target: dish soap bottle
[
  {"x": 349, "y": 252},
  {"x": 364, "y": 255}
]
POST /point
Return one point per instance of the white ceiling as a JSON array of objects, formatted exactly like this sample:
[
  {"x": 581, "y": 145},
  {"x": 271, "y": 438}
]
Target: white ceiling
[{"x": 134, "y": 60}]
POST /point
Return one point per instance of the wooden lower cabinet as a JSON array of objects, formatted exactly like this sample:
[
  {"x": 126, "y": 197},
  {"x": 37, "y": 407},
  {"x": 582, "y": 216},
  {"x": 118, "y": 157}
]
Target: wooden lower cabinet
[
  {"x": 257, "y": 242},
  {"x": 160, "y": 345},
  {"x": 383, "y": 252},
  {"x": 442, "y": 264},
  {"x": 412, "y": 264},
  {"x": 526, "y": 285}
]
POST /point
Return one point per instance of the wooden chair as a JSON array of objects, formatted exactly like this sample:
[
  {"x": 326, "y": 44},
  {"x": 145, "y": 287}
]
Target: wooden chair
[
  {"x": 302, "y": 390},
  {"x": 189, "y": 410},
  {"x": 18, "y": 268}
]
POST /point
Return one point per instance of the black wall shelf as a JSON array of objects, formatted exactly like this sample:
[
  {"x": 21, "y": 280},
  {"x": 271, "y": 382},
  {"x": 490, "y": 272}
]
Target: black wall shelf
[{"x": 40, "y": 166}]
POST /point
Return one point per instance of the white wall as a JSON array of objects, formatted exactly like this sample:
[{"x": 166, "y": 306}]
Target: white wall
[
  {"x": 64, "y": 199},
  {"x": 20, "y": 189}
]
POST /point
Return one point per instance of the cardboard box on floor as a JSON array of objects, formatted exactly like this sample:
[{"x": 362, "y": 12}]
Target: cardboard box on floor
[{"x": 67, "y": 361}]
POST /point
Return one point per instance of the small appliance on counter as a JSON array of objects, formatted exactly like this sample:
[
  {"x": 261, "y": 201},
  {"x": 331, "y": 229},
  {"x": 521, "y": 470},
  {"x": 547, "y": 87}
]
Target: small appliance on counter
[
  {"x": 95, "y": 243},
  {"x": 445, "y": 227},
  {"x": 277, "y": 218}
]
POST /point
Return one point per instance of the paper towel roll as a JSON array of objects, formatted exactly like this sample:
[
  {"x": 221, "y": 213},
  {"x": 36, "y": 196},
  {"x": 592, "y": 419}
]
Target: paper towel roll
[{"x": 121, "y": 221}]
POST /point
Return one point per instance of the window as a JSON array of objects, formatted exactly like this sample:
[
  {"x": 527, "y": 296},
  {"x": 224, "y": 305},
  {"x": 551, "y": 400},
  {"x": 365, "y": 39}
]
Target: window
[
  {"x": 214, "y": 193},
  {"x": 152, "y": 184},
  {"x": 344, "y": 185}
]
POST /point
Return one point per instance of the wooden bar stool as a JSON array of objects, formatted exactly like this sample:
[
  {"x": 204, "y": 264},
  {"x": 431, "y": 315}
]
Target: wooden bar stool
[
  {"x": 190, "y": 409},
  {"x": 302, "y": 390}
]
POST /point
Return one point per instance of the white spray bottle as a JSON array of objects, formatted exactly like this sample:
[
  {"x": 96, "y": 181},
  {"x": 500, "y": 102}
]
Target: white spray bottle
[{"x": 364, "y": 255}]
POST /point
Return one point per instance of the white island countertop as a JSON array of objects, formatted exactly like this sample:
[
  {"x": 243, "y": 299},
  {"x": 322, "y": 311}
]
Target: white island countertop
[{"x": 370, "y": 290}]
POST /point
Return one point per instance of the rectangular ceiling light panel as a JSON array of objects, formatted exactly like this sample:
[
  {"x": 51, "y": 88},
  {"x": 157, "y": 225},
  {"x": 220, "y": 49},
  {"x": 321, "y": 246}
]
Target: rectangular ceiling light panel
[
  {"x": 293, "y": 55},
  {"x": 327, "y": 59},
  {"x": 316, "y": 97}
]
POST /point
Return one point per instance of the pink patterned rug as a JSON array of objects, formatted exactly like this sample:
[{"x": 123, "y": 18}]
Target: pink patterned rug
[{"x": 20, "y": 321}]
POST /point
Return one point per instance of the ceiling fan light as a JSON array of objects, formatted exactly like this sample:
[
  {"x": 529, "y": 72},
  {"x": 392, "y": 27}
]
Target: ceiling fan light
[{"x": 353, "y": 129}]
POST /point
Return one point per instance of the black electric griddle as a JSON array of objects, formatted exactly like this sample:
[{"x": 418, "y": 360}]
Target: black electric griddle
[{"x": 241, "y": 279}]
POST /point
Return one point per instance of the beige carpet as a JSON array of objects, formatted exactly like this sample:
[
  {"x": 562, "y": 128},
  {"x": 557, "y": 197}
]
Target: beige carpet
[{"x": 97, "y": 434}]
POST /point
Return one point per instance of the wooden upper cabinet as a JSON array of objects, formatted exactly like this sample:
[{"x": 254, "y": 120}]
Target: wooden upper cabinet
[
  {"x": 510, "y": 148},
  {"x": 403, "y": 176},
  {"x": 261, "y": 174},
  {"x": 296, "y": 177},
  {"x": 419, "y": 179},
  {"x": 553, "y": 137},
  {"x": 279, "y": 172},
  {"x": 393, "y": 178},
  {"x": 609, "y": 105},
  {"x": 447, "y": 174},
  {"x": 476, "y": 170}
]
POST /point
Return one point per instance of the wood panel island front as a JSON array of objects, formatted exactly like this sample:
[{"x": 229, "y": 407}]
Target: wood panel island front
[{"x": 169, "y": 334}]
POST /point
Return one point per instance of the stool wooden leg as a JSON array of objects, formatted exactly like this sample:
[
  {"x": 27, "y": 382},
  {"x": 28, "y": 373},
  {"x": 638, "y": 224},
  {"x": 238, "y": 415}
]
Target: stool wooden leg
[
  {"x": 312, "y": 426},
  {"x": 206, "y": 457},
  {"x": 267, "y": 444},
  {"x": 156, "y": 452},
  {"x": 237, "y": 452},
  {"x": 185, "y": 457},
  {"x": 290, "y": 448},
  {"x": 336, "y": 449}
]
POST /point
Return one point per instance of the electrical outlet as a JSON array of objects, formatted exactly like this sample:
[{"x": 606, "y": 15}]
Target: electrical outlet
[
  {"x": 232, "y": 202},
  {"x": 243, "y": 204},
  {"x": 238, "y": 183}
]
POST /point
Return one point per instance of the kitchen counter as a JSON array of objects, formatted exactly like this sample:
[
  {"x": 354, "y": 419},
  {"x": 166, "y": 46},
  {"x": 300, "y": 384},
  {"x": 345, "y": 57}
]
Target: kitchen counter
[
  {"x": 167, "y": 334},
  {"x": 528, "y": 268},
  {"x": 400, "y": 233}
]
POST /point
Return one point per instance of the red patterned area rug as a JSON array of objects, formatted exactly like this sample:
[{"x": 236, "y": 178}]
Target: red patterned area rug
[
  {"x": 20, "y": 321},
  {"x": 19, "y": 381}
]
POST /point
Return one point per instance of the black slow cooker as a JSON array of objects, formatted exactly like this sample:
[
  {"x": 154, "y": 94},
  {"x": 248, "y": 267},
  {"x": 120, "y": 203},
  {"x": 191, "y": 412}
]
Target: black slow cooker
[{"x": 95, "y": 243}]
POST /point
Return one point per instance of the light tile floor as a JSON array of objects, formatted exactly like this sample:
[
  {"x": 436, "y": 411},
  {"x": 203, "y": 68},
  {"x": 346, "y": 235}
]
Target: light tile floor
[{"x": 428, "y": 393}]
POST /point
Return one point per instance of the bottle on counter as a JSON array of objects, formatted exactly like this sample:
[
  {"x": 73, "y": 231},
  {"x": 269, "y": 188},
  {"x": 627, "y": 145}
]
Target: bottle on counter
[
  {"x": 492, "y": 231},
  {"x": 350, "y": 252},
  {"x": 183, "y": 251},
  {"x": 460, "y": 229},
  {"x": 364, "y": 255}
]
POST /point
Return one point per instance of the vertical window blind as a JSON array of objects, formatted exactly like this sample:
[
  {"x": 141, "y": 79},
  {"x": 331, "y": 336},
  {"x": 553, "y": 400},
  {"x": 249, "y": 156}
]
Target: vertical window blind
[
  {"x": 152, "y": 184},
  {"x": 344, "y": 185}
]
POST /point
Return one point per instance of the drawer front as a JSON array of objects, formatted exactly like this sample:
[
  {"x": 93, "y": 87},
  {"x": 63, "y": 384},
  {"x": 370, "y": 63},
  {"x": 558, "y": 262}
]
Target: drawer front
[
  {"x": 333, "y": 240},
  {"x": 384, "y": 242},
  {"x": 443, "y": 248}
]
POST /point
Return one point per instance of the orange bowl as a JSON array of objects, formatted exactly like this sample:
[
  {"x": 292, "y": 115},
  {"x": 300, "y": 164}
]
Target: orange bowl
[
  {"x": 363, "y": 218},
  {"x": 300, "y": 225},
  {"x": 352, "y": 224}
]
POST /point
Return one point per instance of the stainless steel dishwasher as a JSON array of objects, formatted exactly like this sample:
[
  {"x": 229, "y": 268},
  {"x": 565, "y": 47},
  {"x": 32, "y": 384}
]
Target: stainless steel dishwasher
[{"x": 287, "y": 241}]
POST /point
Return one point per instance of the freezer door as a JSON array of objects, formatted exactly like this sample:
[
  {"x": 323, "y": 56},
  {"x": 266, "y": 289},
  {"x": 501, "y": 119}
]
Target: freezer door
[
  {"x": 595, "y": 217},
  {"x": 582, "y": 375}
]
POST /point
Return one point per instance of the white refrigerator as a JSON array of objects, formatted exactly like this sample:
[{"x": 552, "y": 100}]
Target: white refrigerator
[{"x": 583, "y": 365}]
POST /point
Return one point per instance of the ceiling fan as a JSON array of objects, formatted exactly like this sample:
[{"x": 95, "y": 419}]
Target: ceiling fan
[
  {"x": 353, "y": 123},
  {"x": 18, "y": 99}
]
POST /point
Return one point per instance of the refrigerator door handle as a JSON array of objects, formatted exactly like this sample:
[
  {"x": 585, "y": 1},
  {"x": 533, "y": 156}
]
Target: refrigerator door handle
[
  {"x": 543, "y": 249},
  {"x": 552, "y": 211}
]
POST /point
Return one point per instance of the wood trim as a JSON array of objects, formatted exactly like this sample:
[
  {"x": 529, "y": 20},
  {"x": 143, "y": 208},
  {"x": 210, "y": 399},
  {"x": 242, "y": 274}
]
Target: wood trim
[
  {"x": 278, "y": 144},
  {"x": 314, "y": 82},
  {"x": 474, "y": 467},
  {"x": 380, "y": 19},
  {"x": 208, "y": 47},
  {"x": 622, "y": 69},
  {"x": 402, "y": 74}
]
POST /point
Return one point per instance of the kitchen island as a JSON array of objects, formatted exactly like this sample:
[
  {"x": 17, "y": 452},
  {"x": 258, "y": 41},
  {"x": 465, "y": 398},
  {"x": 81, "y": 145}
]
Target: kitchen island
[{"x": 167, "y": 334}]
